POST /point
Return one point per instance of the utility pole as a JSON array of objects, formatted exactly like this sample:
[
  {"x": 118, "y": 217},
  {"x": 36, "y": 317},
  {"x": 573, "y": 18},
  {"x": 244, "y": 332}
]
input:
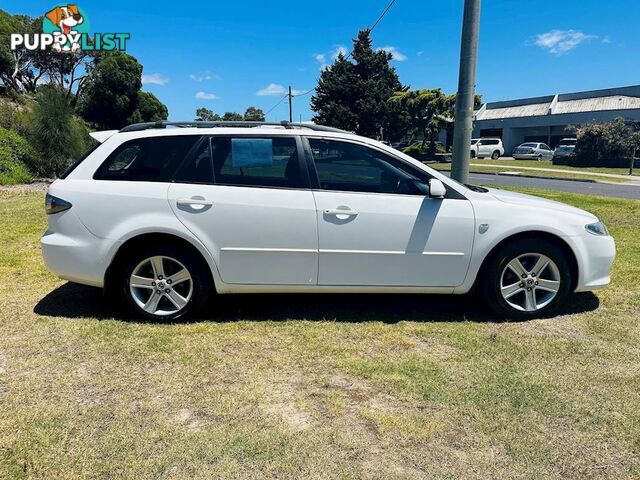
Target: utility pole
[
  {"x": 290, "y": 106},
  {"x": 466, "y": 91}
]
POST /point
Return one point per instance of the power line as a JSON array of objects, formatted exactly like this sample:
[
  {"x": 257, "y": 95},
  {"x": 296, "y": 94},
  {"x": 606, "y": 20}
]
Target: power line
[
  {"x": 291, "y": 96},
  {"x": 305, "y": 93},
  {"x": 375, "y": 24},
  {"x": 383, "y": 14},
  {"x": 279, "y": 102}
]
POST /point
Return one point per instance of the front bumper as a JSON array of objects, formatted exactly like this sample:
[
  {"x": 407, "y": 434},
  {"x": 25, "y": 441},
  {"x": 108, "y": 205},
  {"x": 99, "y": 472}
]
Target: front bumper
[
  {"x": 525, "y": 156},
  {"x": 595, "y": 262}
]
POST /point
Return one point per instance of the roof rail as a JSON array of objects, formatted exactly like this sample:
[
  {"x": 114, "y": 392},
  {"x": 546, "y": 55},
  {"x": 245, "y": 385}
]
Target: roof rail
[{"x": 137, "y": 127}]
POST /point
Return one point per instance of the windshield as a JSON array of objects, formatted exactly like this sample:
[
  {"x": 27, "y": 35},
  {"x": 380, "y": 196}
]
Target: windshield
[{"x": 474, "y": 141}]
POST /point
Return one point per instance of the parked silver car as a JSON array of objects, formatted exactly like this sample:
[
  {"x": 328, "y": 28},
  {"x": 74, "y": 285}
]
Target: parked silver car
[{"x": 533, "y": 151}]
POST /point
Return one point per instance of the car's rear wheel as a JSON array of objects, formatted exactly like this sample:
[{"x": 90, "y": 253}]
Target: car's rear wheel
[
  {"x": 527, "y": 279},
  {"x": 162, "y": 283},
  {"x": 539, "y": 157},
  {"x": 495, "y": 155}
]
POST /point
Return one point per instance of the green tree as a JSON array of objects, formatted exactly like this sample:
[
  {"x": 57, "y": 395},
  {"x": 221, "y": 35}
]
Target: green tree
[
  {"x": 353, "y": 95},
  {"x": 110, "y": 96},
  {"x": 604, "y": 144},
  {"x": 17, "y": 68},
  {"x": 52, "y": 128},
  {"x": 22, "y": 70},
  {"x": 253, "y": 114},
  {"x": 232, "y": 117},
  {"x": 150, "y": 109},
  {"x": 206, "y": 115},
  {"x": 427, "y": 112}
]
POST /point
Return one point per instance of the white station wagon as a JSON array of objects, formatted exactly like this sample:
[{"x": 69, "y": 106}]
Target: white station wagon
[{"x": 165, "y": 214}]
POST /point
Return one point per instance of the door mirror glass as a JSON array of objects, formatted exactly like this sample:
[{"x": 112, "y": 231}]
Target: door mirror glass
[{"x": 436, "y": 188}]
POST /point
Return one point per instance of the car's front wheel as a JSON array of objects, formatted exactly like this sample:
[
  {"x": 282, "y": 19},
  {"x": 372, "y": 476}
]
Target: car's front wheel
[
  {"x": 162, "y": 283},
  {"x": 527, "y": 279}
]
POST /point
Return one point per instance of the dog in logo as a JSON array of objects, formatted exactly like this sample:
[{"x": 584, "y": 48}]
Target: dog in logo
[{"x": 65, "y": 18}]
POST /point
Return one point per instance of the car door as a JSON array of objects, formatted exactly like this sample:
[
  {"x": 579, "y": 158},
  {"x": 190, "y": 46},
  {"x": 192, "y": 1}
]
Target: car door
[
  {"x": 248, "y": 201},
  {"x": 482, "y": 148},
  {"x": 547, "y": 153},
  {"x": 374, "y": 229}
]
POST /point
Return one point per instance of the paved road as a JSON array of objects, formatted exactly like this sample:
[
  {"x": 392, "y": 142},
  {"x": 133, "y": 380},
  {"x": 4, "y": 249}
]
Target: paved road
[{"x": 591, "y": 188}]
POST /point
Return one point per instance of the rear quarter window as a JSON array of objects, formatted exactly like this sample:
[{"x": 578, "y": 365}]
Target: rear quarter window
[{"x": 152, "y": 159}]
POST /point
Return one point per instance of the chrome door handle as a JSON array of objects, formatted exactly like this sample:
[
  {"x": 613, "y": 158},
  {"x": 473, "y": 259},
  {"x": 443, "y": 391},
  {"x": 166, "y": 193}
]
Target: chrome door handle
[
  {"x": 336, "y": 211},
  {"x": 186, "y": 202}
]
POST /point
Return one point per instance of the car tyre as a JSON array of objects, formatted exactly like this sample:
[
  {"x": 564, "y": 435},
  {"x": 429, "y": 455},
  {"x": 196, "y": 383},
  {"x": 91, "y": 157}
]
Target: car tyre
[
  {"x": 473, "y": 154},
  {"x": 529, "y": 293},
  {"x": 162, "y": 283},
  {"x": 495, "y": 155}
]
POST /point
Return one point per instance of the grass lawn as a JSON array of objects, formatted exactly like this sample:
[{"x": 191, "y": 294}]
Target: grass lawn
[
  {"x": 510, "y": 165},
  {"x": 323, "y": 386}
]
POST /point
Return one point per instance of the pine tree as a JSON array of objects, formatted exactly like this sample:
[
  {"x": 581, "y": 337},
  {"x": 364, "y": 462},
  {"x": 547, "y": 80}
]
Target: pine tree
[{"x": 354, "y": 95}]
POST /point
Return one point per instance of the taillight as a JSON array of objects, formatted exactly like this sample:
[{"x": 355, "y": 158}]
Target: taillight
[{"x": 55, "y": 205}]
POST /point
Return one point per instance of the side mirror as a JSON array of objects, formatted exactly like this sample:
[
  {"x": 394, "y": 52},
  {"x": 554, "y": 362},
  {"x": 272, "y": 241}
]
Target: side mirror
[{"x": 436, "y": 188}]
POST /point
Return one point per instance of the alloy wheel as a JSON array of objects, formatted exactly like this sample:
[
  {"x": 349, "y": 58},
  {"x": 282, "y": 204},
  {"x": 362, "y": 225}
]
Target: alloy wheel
[
  {"x": 161, "y": 285},
  {"x": 530, "y": 282}
]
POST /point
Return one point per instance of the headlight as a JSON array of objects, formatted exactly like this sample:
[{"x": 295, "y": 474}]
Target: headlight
[{"x": 597, "y": 228}]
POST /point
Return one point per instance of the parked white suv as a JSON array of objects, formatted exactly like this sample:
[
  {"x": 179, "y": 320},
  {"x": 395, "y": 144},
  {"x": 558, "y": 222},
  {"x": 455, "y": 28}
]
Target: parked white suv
[
  {"x": 487, "y": 147},
  {"x": 164, "y": 217}
]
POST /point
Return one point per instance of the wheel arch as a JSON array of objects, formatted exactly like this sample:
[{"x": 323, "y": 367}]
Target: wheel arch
[
  {"x": 532, "y": 235},
  {"x": 142, "y": 239}
]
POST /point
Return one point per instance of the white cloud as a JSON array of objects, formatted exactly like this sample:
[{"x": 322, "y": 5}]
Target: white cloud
[
  {"x": 206, "y": 96},
  {"x": 420, "y": 53},
  {"x": 340, "y": 49},
  {"x": 154, "y": 79},
  {"x": 320, "y": 57},
  {"x": 560, "y": 42},
  {"x": 274, "y": 89},
  {"x": 395, "y": 53},
  {"x": 204, "y": 77},
  {"x": 271, "y": 89},
  {"x": 606, "y": 39}
]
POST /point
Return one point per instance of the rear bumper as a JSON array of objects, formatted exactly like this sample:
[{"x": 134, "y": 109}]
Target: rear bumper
[{"x": 72, "y": 253}]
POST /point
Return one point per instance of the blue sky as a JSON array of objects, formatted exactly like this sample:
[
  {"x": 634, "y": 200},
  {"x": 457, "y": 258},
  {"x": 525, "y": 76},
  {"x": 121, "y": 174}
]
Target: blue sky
[{"x": 229, "y": 55}]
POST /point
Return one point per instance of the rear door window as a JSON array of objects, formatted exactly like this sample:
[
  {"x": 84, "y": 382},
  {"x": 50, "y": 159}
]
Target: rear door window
[
  {"x": 151, "y": 159},
  {"x": 257, "y": 162},
  {"x": 198, "y": 167}
]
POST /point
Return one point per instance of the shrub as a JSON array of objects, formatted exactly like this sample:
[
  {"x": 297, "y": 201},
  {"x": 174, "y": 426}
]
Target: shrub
[
  {"x": 54, "y": 131},
  {"x": 603, "y": 145},
  {"x": 17, "y": 148},
  {"x": 424, "y": 151},
  {"x": 12, "y": 171}
]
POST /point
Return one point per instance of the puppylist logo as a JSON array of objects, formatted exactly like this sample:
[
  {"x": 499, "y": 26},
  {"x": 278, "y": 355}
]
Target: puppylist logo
[{"x": 65, "y": 28}]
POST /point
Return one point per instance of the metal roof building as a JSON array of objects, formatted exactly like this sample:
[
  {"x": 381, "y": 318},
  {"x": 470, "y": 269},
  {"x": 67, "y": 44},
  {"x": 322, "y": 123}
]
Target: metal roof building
[{"x": 545, "y": 119}]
